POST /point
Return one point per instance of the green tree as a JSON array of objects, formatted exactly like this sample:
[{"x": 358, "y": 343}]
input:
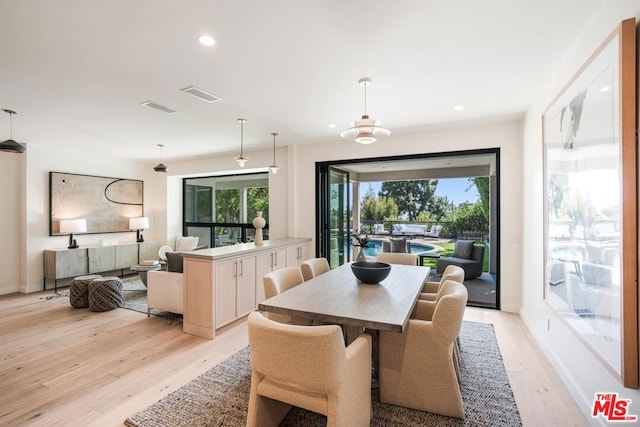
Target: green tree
[
  {"x": 411, "y": 197},
  {"x": 228, "y": 205},
  {"x": 425, "y": 216},
  {"x": 482, "y": 185},
  {"x": 438, "y": 207},
  {"x": 257, "y": 200},
  {"x": 377, "y": 209},
  {"x": 467, "y": 217}
]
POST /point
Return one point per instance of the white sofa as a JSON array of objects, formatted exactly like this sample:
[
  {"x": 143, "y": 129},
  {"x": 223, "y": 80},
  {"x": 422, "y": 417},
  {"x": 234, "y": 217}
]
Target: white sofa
[
  {"x": 409, "y": 229},
  {"x": 165, "y": 291}
]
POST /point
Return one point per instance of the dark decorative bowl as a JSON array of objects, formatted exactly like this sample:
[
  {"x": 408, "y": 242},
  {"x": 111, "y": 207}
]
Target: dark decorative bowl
[{"x": 370, "y": 272}]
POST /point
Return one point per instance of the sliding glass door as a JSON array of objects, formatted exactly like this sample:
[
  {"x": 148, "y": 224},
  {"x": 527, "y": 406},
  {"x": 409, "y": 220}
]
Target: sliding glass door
[{"x": 334, "y": 215}]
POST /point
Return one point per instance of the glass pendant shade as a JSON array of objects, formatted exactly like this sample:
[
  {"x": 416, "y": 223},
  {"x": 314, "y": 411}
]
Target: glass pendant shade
[
  {"x": 274, "y": 167},
  {"x": 366, "y": 130},
  {"x": 241, "y": 159}
]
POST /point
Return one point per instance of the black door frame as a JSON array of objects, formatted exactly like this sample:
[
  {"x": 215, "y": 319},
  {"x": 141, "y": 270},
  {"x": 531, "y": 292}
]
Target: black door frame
[{"x": 322, "y": 186}]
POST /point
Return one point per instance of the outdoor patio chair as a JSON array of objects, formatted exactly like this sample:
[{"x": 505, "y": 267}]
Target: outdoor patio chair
[
  {"x": 466, "y": 255},
  {"x": 398, "y": 243},
  {"x": 434, "y": 232},
  {"x": 379, "y": 229}
]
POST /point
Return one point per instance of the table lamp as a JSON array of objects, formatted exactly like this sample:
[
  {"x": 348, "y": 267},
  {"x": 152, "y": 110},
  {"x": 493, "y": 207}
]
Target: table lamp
[
  {"x": 73, "y": 226},
  {"x": 139, "y": 224}
]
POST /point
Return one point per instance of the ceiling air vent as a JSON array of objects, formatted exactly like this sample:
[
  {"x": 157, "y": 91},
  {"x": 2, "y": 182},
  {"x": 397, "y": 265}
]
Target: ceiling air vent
[
  {"x": 157, "y": 106},
  {"x": 201, "y": 94}
]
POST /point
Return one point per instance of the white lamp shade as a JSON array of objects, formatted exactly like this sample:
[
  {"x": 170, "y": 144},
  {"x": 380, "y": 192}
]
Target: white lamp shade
[
  {"x": 139, "y": 223},
  {"x": 73, "y": 225}
]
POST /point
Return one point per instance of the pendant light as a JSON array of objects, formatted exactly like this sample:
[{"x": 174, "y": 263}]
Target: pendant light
[
  {"x": 366, "y": 129},
  {"x": 161, "y": 167},
  {"x": 274, "y": 168},
  {"x": 11, "y": 146},
  {"x": 241, "y": 159}
]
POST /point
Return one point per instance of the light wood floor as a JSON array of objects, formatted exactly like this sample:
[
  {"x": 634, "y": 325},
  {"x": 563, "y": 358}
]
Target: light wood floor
[{"x": 71, "y": 367}]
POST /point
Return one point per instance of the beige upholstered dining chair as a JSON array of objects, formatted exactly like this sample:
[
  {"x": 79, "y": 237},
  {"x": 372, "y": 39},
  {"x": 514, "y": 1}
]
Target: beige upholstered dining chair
[
  {"x": 280, "y": 281},
  {"x": 397, "y": 258},
  {"x": 308, "y": 367},
  {"x": 425, "y": 309},
  {"x": 417, "y": 366},
  {"x": 430, "y": 289},
  {"x": 314, "y": 267}
]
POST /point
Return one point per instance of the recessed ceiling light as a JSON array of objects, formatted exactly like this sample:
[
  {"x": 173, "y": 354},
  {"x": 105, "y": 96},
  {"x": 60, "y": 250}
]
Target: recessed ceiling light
[
  {"x": 332, "y": 125},
  {"x": 458, "y": 108},
  {"x": 206, "y": 40},
  {"x": 605, "y": 88}
]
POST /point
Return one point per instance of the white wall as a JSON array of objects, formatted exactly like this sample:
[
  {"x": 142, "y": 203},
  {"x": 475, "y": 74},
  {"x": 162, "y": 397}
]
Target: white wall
[
  {"x": 40, "y": 160},
  {"x": 11, "y": 212},
  {"x": 504, "y": 135},
  {"x": 583, "y": 374}
]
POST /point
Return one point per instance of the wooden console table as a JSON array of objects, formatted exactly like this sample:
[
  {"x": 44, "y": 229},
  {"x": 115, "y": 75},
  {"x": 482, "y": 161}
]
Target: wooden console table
[{"x": 67, "y": 263}]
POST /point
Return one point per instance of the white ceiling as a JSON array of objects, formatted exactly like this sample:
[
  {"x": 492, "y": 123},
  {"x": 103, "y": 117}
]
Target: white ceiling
[{"x": 76, "y": 71}]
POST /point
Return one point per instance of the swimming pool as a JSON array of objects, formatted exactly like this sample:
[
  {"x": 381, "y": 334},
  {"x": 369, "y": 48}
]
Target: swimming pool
[{"x": 375, "y": 246}]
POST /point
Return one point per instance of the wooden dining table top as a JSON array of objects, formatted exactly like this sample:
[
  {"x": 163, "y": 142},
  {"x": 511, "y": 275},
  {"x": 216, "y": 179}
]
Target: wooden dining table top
[{"x": 337, "y": 297}]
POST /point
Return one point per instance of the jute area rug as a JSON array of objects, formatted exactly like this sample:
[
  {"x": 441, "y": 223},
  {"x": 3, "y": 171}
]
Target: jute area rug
[{"x": 220, "y": 396}]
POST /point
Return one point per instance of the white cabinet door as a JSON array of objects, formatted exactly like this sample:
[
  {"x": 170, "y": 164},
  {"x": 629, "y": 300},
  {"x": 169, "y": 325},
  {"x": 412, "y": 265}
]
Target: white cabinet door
[
  {"x": 246, "y": 286},
  {"x": 225, "y": 276},
  {"x": 279, "y": 259},
  {"x": 264, "y": 265},
  {"x": 305, "y": 251},
  {"x": 298, "y": 253},
  {"x": 293, "y": 256}
]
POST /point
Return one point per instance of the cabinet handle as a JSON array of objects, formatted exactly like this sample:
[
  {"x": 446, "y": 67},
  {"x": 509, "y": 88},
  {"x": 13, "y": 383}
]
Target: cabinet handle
[
  {"x": 235, "y": 268},
  {"x": 272, "y": 260},
  {"x": 276, "y": 254},
  {"x": 241, "y": 268}
]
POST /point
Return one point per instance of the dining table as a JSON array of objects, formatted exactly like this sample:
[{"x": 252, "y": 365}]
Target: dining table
[{"x": 338, "y": 297}]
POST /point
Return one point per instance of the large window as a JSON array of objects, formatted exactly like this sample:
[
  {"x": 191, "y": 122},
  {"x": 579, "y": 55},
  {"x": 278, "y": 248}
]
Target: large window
[{"x": 219, "y": 210}]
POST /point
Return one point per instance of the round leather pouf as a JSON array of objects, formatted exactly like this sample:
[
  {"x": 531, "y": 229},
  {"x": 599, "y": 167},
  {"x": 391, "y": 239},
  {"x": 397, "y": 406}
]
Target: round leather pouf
[
  {"x": 79, "y": 291},
  {"x": 105, "y": 294}
]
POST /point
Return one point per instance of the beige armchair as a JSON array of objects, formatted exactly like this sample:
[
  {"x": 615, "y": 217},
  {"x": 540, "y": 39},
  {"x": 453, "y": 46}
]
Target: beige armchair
[
  {"x": 430, "y": 289},
  {"x": 280, "y": 281},
  {"x": 397, "y": 258},
  {"x": 165, "y": 291},
  {"x": 417, "y": 366},
  {"x": 308, "y": 367},
  {"x": 314, "y": 267}
]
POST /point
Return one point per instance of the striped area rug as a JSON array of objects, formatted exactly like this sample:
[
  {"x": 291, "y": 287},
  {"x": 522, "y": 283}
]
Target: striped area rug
[{"x": 220, "y": 396}]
